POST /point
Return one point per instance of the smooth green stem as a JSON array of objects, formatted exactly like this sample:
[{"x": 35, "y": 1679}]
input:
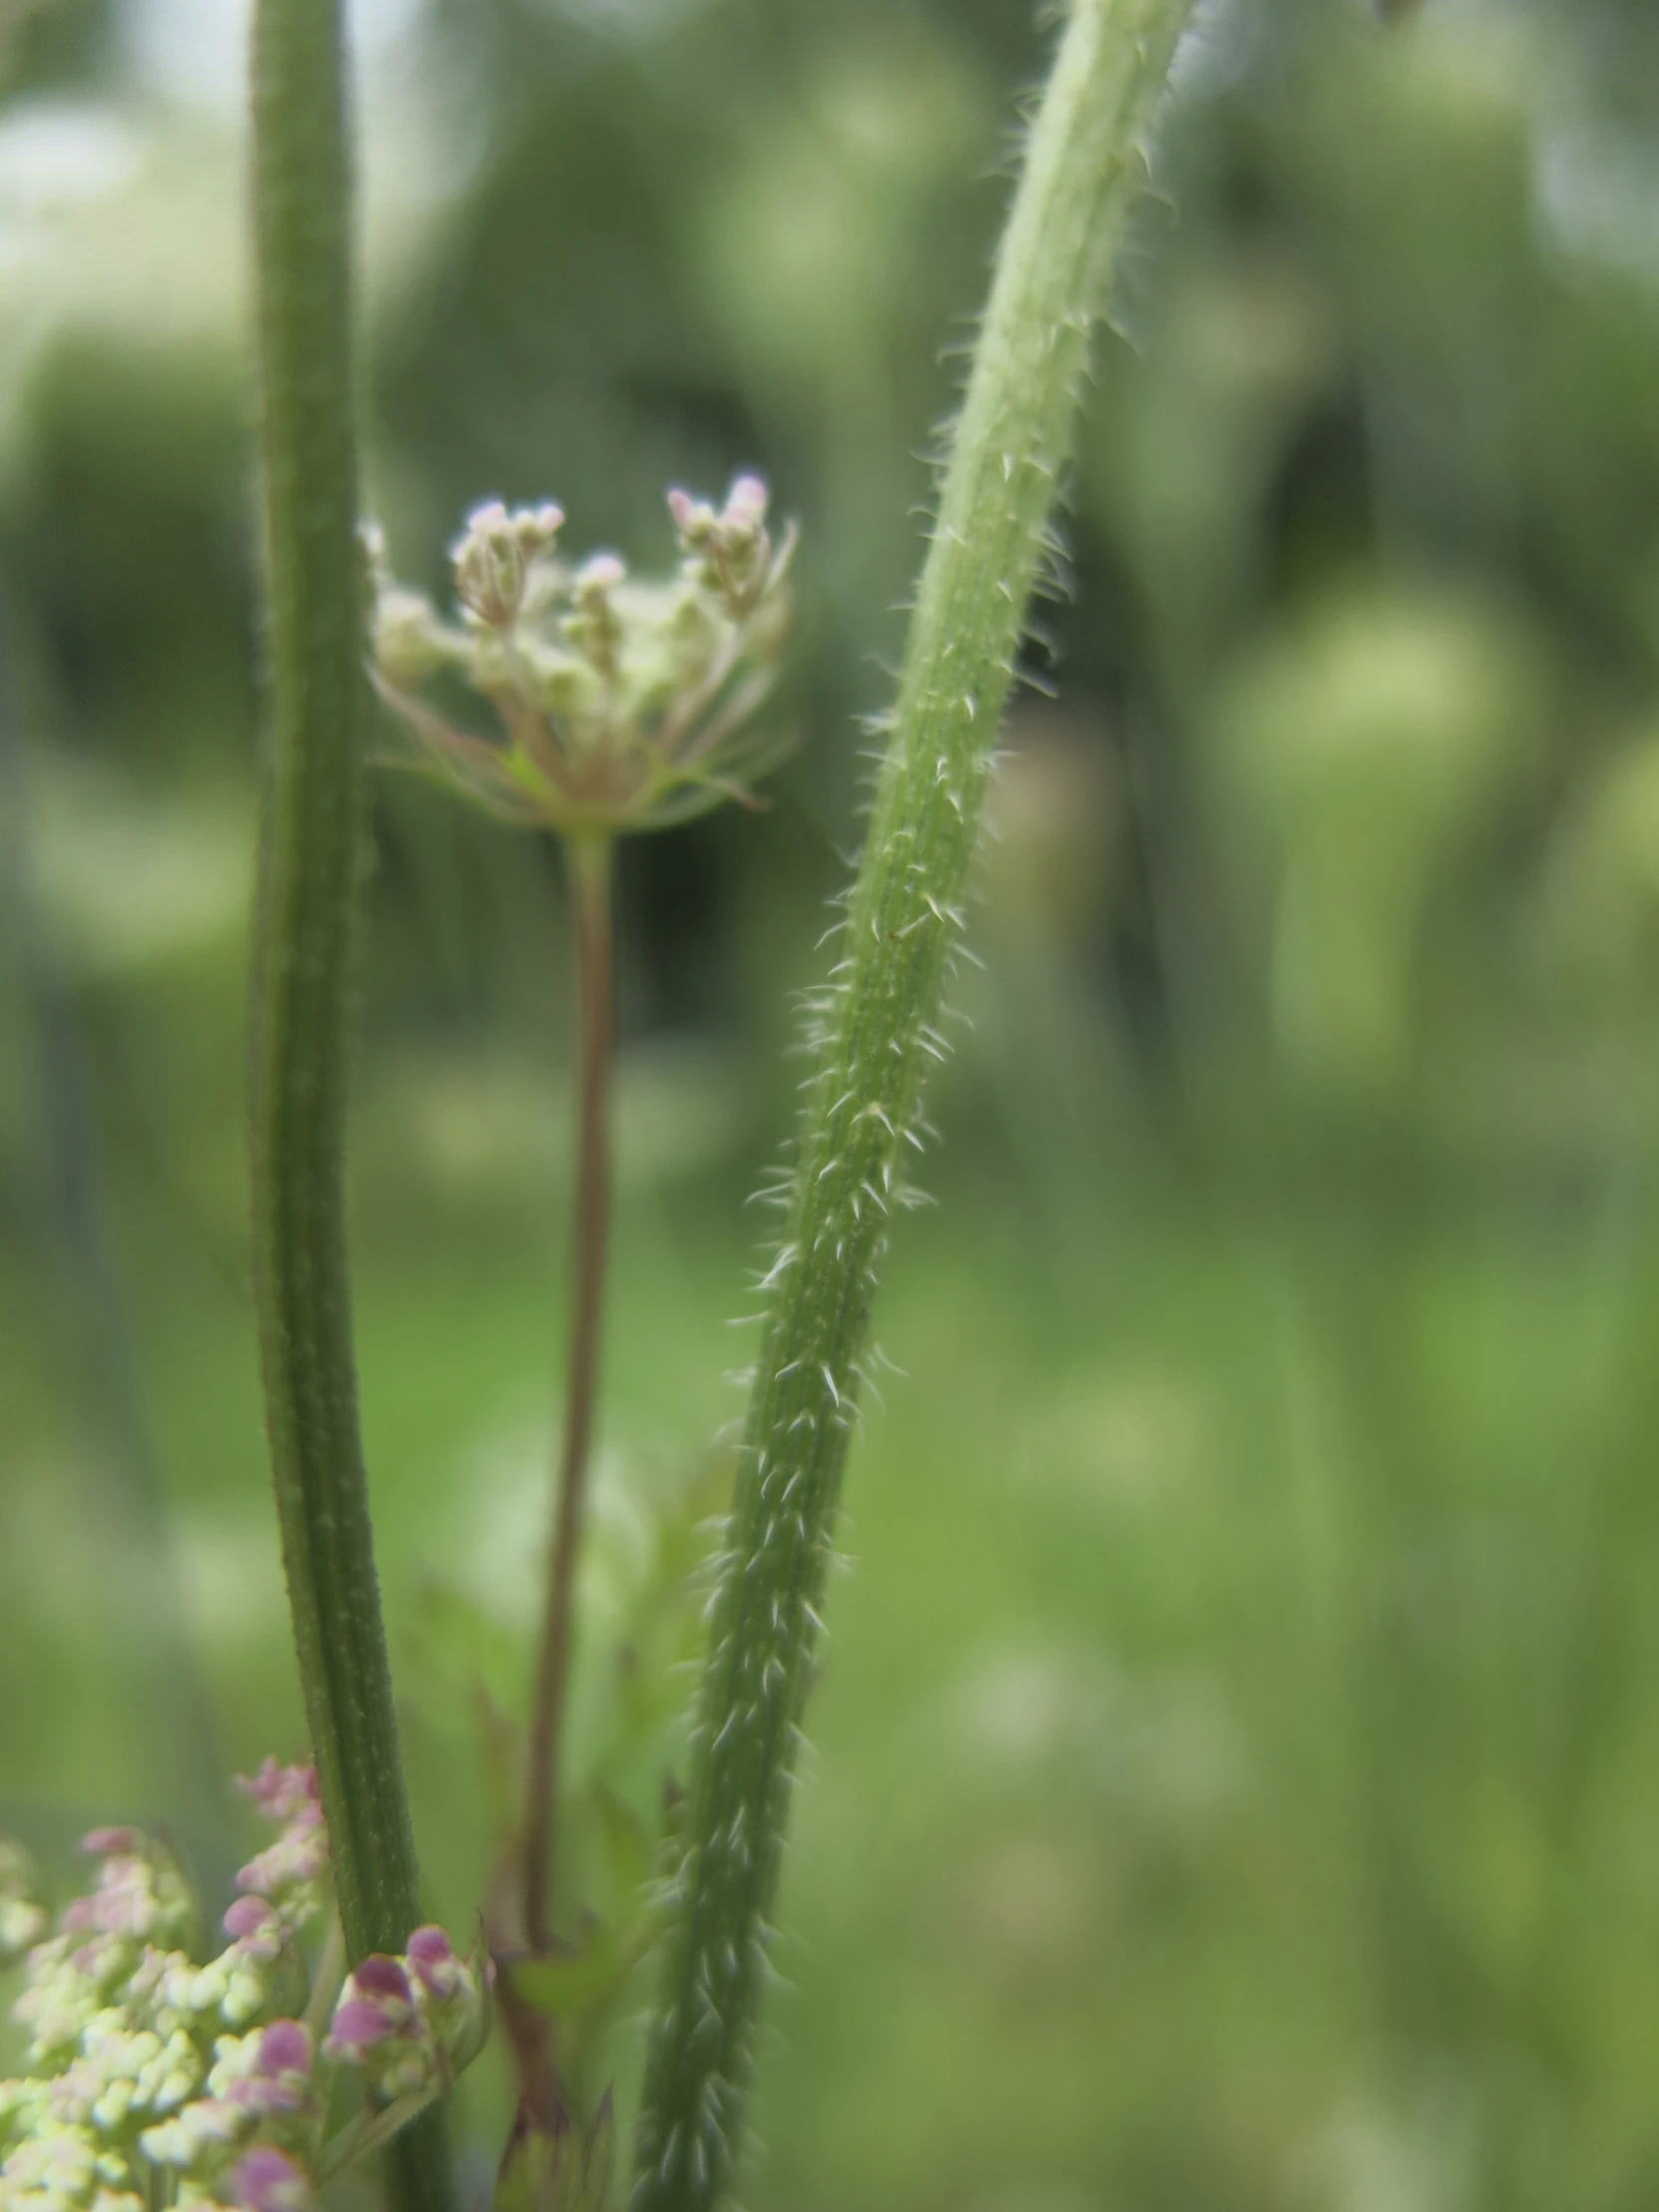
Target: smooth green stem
[
  {"x": 311, "y": 866},
  {"x": 590, "y": 895},
  {"x": 875, "y": 1032}
]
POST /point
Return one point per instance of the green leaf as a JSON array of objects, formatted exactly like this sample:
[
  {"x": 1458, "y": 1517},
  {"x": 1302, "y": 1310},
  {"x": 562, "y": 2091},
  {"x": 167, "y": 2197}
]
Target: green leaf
[
  {"x": 559, "y": 2172},
  {"x": 562, "y": 1985},
  {"x": 368, "y": 2131},
  {"x": 625, "y": 1846}
]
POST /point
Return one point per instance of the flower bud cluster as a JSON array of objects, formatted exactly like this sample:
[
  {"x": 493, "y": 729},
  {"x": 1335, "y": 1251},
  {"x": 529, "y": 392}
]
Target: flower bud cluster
[
  {"x": 617, "y": 704},
  {"x": 134, "y": 1923},
  {"x": 153, "y": 2078},
  {"x": 411, "y": 2025},
  {"x": 259, "y": 2093},
  {"x": 290, "y": 1877}
]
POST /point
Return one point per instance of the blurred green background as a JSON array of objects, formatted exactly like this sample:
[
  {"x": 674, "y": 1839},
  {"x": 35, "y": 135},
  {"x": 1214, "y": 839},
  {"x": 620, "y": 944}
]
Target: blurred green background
[{"x": 1236, "y": 1769}]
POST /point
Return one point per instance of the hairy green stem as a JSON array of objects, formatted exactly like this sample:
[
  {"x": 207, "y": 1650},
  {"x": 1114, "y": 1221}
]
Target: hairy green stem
[
  {"x": 875, "y": 1033},
  {"x": 311, "y": 863},
  {"x": 590, "y": 895}
]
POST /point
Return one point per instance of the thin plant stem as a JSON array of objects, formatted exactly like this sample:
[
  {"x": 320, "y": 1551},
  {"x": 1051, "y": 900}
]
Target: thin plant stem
[
  {"x": 311, "y": 864},
  {"x": 591, "y": 896},
  {"x": 875, "y": 1031}
]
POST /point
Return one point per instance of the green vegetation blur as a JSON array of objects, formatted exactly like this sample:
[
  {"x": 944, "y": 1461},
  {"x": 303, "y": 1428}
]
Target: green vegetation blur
[{"x": 1235, "y": 1782}]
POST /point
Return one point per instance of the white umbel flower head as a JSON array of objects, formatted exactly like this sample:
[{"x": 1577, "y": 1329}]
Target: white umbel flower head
[{"x": 617, "y": 704}]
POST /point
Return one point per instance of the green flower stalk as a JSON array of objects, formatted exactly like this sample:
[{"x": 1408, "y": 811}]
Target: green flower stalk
[
  {"x": 611, "y": 704},
  {"x": 875, "y": 1032},
  {"x": 311, "y": 860}
]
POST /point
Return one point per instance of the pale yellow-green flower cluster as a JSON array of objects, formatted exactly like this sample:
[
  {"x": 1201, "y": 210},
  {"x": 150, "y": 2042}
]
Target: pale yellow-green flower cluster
[
  {"x": 617, "y": 704},
  {"x": 154, "y": 2078}
]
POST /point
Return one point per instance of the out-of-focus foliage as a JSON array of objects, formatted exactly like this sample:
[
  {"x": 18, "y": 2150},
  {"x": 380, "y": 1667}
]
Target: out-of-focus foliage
[{"x": 1234, "y": 1784}]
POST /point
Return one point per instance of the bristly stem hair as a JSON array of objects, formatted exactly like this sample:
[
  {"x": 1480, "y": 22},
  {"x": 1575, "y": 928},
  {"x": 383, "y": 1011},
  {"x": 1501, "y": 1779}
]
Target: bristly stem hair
[
  {"x": 309, "y": 872},
  {"x": 875, "y": 1031}
]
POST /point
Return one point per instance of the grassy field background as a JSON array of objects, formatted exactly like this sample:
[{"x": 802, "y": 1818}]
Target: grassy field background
[{"x": 1233, "y": 1781}]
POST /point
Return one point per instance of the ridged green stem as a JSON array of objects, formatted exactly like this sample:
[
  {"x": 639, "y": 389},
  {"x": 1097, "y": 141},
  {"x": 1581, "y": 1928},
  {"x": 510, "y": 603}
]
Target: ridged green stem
[
  {"x": 311, "y": 866},
  {"x": 875, "y": 1035}
]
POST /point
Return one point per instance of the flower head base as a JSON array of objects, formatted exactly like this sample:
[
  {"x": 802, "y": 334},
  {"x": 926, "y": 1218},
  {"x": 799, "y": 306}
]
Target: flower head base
[{"x": 619, "y": 704}]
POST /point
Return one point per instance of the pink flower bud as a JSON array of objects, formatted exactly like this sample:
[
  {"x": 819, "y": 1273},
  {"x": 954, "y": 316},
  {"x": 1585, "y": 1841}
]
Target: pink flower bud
[
  {"x": 534, "y": 527},
  {"x": 248, "y": 1916},
  {"x": 376, "y": 2002},
  {"x": 282, "y": 1793},
  {"x": 286, "y": 2047},
  {"x": 381, "y": 1978},
  {"x": 601, "y": 573},
  {"x": 745, "y": 503},
  {"x": 268, "y": 2180},
  {"x": 280, "y": 2078},
  {"x": 108, "y": 1842},
  {"x": 429, "y": 1947},
  {"x": 355, "y": 2025},
  {"x": 434, "y": 1965},
  {"x": 125, "y": 1901}
]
